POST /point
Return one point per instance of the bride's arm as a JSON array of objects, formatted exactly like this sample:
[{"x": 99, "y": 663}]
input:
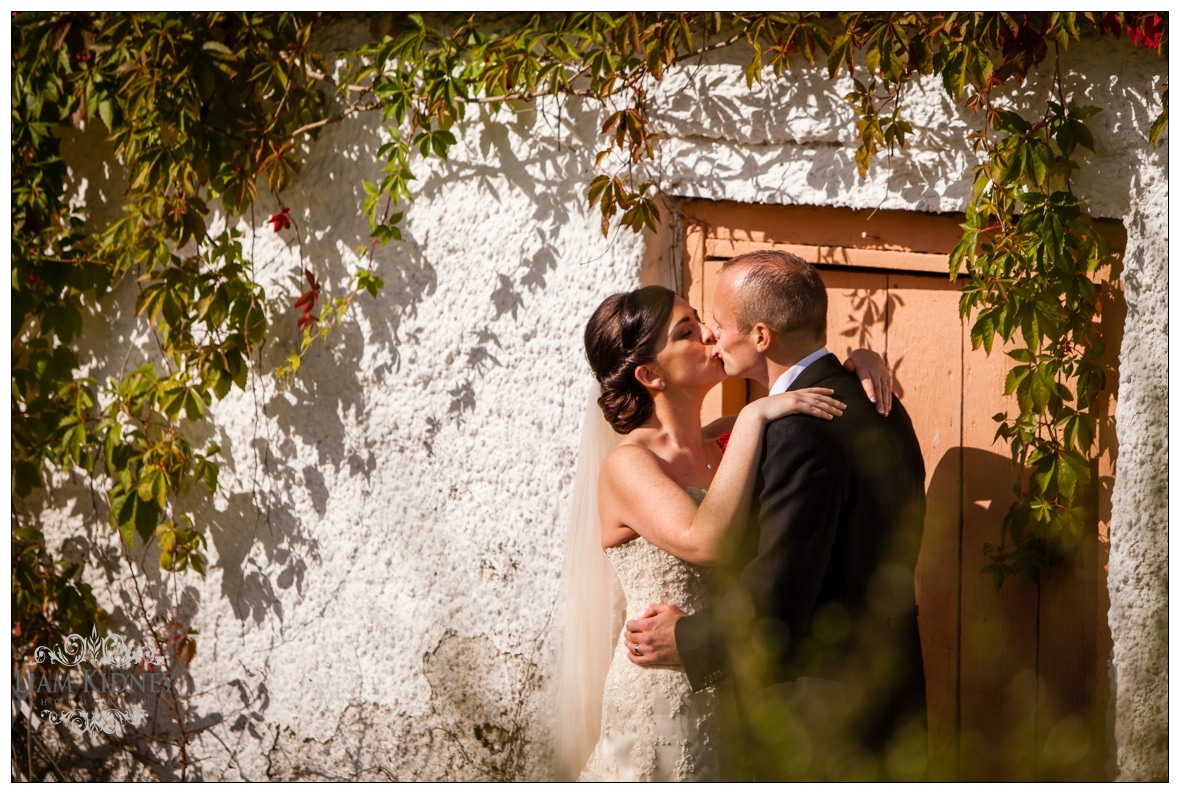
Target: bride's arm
[{"x": 635, "y": 492}]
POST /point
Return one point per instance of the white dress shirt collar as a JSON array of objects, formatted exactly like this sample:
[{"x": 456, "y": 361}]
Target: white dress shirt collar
[{"x": 787, "y": 378}]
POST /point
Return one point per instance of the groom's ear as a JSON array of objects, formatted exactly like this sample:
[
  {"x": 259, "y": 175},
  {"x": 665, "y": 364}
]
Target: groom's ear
[
  {"x": 648, "y": 377},
  {"x": 762, "y": 336}
]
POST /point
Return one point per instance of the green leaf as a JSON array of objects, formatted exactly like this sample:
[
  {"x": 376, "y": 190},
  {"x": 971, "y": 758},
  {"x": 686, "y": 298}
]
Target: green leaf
[
  {"x": 194, "y": 407},
  {"x": 220, "y": 381},
  {"x": 171, "y": 400},
  {"x": 981, "y": 65},
  {"x": 840, "y": 54},
  {"x": 964, "y": 251},
  {"x": 754, "y": 70},
  {"x": 983, "y": 333},
  {"x": 1066, "y": 478},
  {"x": 217, "y": 47},
  {"x": 159, "y": 490},
  {"x": 1010, "y": 122},
  {"x": 238, "y": 368},
  {"x": 214, "y": 306},
  {"x": 1081, "y": 133},
  {"x": 25, "y": 477},
  {"x": 146, "y": 486},
  {"x": 151, "y": 300},
  {"x": 1041, "y": 388},
  {"x": 1037, "y": 159},
  {"x": 255, "y": 323},
  {"x": 598, "y": 186},
  {"x": 872, "y": 57},
  {"x": 106, "y": 113},
  {"x": 1085, "y": 432},
  {"x": 954, "y": 73},
  {"x": 1014, "y": 377}
]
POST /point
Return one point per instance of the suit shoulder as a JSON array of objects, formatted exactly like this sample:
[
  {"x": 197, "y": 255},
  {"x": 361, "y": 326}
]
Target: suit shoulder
[{"x": 807, "y": 435}]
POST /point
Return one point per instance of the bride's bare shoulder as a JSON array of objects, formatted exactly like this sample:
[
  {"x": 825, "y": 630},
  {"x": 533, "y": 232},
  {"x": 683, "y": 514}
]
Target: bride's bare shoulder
[
  {"x": 632, "y": 456},
  {"x": 629, "y": 452}
]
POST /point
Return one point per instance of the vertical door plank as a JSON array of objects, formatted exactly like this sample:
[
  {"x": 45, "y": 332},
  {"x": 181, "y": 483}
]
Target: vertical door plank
[
  {"x": 998, "y": 667},
  {"x": 925, "y": 339}
]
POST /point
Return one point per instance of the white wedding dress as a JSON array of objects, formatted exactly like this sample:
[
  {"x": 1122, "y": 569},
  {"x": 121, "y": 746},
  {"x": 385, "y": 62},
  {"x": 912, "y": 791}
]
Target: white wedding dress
[{"x": 654, "y": 727}]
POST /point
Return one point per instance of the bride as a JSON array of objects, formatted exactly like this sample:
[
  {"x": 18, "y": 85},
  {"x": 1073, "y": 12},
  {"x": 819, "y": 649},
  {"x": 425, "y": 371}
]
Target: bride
[{"x": 663, "y": 503}]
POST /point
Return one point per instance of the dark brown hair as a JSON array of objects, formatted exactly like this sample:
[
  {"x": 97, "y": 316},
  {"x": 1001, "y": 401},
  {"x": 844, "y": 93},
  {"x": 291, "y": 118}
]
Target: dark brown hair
[
  {"x": 781, "y": 290},
  {"x": 623, "y": 334}
]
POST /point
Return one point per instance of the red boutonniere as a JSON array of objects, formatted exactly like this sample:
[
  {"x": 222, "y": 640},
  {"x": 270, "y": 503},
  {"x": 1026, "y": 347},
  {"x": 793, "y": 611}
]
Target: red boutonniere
[{"x": 723, "y": 440}]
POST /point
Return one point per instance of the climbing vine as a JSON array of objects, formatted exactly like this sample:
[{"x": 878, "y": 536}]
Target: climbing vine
[
  {"x": 1030, "y": 251},
  {"x": 196, "y": 108},
  {"x": 211, "y": 114}
]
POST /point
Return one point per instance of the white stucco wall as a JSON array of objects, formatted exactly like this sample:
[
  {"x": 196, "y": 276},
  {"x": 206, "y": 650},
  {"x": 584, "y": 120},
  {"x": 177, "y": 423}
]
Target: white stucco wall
[{"x": 385, "y": 544}]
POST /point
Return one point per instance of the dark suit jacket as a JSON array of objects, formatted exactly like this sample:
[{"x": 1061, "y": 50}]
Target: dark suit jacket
[{"x": 823, "y": 583}]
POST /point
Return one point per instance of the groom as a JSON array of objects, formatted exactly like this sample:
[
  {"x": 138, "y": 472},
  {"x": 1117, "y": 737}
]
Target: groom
[{"x": 818, "y": 628}]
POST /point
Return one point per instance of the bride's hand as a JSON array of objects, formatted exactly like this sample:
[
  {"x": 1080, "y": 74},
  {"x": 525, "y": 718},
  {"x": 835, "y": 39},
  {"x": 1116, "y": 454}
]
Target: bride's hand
[
  {"x": 813, "y": 402},
  {"x": 874, "y": 377}
]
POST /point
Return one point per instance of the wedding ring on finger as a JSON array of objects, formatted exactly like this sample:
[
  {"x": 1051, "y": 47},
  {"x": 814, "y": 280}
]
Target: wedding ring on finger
[{"x": 635, "y": 650}]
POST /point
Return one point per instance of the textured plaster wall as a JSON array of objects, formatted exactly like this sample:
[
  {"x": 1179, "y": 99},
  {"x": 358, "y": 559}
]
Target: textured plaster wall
[
  {"x": 1138, "y": 578},
  {"x": 386, "y": 540}
]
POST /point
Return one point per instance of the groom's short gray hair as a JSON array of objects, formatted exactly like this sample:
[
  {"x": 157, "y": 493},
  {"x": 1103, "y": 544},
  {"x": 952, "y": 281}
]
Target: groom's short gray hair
[{"x": 781, "y": 290}]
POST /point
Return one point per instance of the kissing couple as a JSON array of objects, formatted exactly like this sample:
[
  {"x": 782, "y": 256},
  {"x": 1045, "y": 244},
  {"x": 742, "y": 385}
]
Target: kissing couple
[{"x": 766, "y": 560}]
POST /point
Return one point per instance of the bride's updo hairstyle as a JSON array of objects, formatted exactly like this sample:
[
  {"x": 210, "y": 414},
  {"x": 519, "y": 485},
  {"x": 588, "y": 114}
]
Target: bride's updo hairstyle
[{"x": 623, "y": 334}]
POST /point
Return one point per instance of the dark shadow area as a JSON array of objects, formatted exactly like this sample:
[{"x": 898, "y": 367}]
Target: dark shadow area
[{"x": 1015, "y": 674}]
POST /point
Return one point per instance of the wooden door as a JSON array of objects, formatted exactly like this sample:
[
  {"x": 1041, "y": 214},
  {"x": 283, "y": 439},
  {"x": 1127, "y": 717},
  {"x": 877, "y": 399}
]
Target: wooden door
[{"x": 1016, "y": 676}]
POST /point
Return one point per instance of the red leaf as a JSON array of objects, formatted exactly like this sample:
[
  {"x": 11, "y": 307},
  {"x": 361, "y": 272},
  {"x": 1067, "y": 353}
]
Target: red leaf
[
  {"x": 1150, "y": 34},
  {"x": 281, "y": 220},
  {"x": 306, "y": 301},
  {"x": 1110, "y": 24},
  {"x": 1153, "y": 31}
]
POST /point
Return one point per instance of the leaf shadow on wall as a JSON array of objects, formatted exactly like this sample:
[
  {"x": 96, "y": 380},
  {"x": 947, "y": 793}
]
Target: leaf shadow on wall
[
  {"x": 865, "y": 326},
  {"x": 800, "y": 125}
]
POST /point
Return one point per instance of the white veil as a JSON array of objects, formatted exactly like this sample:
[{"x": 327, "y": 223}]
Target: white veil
[{"x": 594, "y": 607}]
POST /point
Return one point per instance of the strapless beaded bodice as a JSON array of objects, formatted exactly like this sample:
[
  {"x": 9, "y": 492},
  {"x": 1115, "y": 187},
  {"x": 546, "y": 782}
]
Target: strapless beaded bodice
[
  {"x": 650, "y": 575},
  {"x": 654, "y": 727}
]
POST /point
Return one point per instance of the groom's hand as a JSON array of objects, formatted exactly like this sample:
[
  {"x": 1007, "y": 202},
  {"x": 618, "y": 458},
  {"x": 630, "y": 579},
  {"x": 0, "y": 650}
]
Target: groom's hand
[{"x": 651, "y": 639}]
